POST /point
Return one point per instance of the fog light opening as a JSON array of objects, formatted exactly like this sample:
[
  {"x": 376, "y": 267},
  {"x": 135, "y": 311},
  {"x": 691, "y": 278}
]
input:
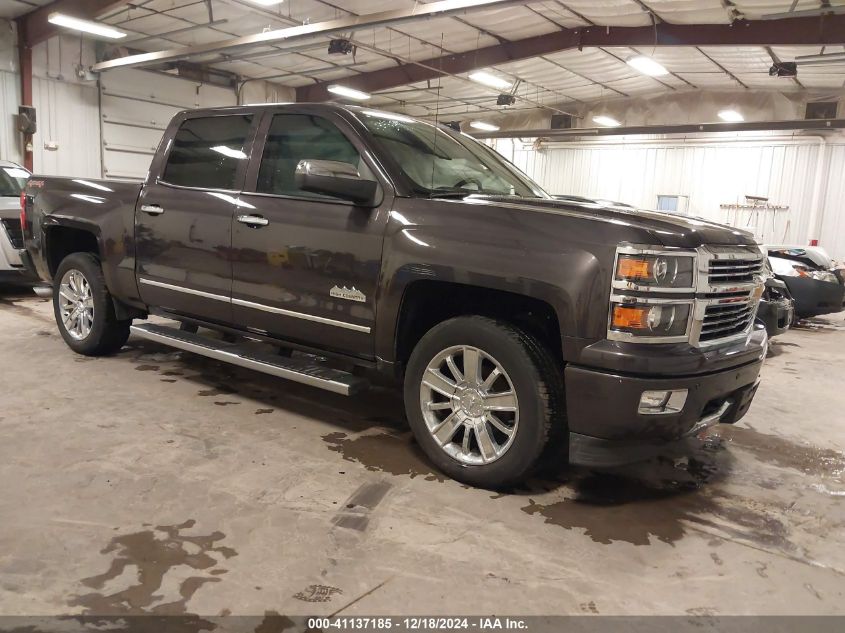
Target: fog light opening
[{"x": 662, "y": 402}]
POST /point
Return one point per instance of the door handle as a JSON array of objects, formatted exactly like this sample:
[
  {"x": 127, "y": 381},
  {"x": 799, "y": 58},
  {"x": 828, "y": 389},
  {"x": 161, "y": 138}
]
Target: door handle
[
  {"x": 255, "y": 221},
  {"x": 152, "y": 209}
]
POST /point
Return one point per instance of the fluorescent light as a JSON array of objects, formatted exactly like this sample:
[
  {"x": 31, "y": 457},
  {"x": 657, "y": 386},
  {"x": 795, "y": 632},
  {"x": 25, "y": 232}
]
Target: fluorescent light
[
  {"x": 228, "y": 151},
  {"x": 351, "y": 93},
  {"x": 481, "y": 125},
  {"x": 95, "y": 28},
  {"x": 266, "y": 3},
  {"x": 731, "y": 116},
  {"x": 491, "y": 80},
  {"x": 606, "y": 121},
  {"x": 390, "y": 116},
  {"x": 647, "y": 66}
]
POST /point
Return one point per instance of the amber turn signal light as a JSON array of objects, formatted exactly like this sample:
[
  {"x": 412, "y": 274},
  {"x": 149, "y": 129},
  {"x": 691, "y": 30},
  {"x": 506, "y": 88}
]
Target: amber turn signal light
[
  {"x": 630, "y": 318},
  {"x": 633, "y": 268}
]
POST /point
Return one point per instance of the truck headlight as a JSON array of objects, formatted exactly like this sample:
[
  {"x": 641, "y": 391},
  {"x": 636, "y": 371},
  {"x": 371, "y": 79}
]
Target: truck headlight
[
  {"x": 665, "y": 319},
  {"x": 651, "y": 269}
]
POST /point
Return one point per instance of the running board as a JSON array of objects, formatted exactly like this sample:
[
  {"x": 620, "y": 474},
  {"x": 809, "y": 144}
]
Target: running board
[{"x": 294, "y": 369}]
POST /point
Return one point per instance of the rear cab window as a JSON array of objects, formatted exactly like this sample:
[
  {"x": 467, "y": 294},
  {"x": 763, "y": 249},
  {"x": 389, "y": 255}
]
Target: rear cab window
[{"x": 207, "y": 152}]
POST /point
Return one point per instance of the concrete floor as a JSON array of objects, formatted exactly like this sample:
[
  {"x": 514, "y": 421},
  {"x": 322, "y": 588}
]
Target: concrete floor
[{"x": 160, "y": 482}]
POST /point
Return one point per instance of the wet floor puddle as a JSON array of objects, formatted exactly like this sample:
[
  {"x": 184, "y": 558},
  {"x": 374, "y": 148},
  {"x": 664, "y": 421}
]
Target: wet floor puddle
[
  {"x": 392, "y": 452},
  {"x": 149, "y": 557},
  {"x": 638, "y": 506},
  {"x": 656, "y": 501},
  {"x": 780, "y": 451},
  {"x": 612, "y": 508}
]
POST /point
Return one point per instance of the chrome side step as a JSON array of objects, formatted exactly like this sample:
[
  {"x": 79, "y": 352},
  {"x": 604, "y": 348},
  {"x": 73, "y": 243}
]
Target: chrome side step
[{"x": 294, "y": 369}]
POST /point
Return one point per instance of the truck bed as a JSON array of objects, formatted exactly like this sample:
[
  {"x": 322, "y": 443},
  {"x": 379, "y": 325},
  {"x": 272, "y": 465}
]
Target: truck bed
[{"x": 56, "y": 206}]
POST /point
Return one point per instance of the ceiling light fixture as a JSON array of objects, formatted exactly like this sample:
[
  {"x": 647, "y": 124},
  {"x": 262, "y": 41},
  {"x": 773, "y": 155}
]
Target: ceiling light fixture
[
  {"x": 266, "y": 3},
  {"x": 490, "y": 80},
  {"x": 341, "y": 46},
  {"x": 486, "y": 127},
  {"x": 350, "y": 93},
  {"x": 606, "y": 121},
  {"x": 647, "y": 66},
  {"x": 731, "y": 116},
  {"x": 85, "y": 26}
]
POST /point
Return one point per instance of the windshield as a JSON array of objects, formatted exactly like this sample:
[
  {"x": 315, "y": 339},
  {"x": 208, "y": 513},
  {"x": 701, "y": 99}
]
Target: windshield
[
  {"x": 12, "y": 181},
  {"x": 439, "y": 163}
]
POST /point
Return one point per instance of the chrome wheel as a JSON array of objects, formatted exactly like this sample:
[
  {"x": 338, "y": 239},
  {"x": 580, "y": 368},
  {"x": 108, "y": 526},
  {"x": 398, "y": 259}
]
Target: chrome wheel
[
  {"x": 76, "y": 304},
  {"x": 469, "y": 405}
]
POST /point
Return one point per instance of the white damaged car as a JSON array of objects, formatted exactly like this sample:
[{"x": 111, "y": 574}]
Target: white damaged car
[{"x": 13, "y": 178}]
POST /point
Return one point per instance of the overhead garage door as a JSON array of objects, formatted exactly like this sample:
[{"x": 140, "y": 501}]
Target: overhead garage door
[{"x": 136, "y": 106}]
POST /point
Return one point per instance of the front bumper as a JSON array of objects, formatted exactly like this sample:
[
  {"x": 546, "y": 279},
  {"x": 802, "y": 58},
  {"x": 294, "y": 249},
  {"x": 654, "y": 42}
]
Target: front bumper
[
  {"x": 12, "y": 267},
  {"x": 776, "y": 315},
  {"x": 813, "y": 297},
  {"x": 607, "y": 429}
]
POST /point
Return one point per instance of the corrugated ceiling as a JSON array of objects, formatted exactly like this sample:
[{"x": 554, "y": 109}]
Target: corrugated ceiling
[{"x": 566, "y": 77}]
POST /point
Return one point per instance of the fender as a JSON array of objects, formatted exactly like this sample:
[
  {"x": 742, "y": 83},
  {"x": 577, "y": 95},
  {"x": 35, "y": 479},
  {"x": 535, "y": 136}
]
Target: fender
[{"x": 499, "y": 249}]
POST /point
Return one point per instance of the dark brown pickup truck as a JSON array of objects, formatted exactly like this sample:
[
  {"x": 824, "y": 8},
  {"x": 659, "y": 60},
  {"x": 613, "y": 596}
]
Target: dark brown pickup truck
[{"x": 399, "y": 250}]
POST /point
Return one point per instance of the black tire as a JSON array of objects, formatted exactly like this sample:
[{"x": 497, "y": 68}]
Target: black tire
[
  {"x": 107, "y": 333},
  {"x": 536, "y": 377}
]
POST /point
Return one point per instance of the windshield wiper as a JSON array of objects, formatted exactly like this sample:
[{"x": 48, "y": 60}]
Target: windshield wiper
[{"x": 450, "y": 194}]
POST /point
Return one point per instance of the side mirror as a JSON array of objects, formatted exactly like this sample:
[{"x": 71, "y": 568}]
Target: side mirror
[{"x": 337, "y": 179}]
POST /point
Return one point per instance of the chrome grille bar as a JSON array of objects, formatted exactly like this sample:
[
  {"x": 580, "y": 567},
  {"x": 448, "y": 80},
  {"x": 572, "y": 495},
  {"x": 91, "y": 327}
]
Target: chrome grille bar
[{"x": 732, "y": 276}]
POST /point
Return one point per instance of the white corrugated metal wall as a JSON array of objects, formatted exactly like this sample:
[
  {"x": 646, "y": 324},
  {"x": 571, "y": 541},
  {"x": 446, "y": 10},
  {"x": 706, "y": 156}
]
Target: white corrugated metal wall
[
  {"x": 9, "y": 93},
  {"x": 68, "y": 118},
  {"x": 135, "y": 107},
  {"x": 9, "y": 99},
  {"x": 798, "y": 172},
  {"x": 67, "y": 142},
  {"x": 832, "y": 233}
]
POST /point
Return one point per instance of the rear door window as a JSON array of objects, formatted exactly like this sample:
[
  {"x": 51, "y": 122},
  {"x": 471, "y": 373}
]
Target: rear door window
[
  {"x": 296, "y": 137},
  {"x": 207, "y": 152}
]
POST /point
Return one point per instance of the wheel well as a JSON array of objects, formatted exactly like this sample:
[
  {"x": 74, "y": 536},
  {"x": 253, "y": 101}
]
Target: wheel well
[
  {"x": 427, "y": 303},
  {"x": 64, "y": 240}
]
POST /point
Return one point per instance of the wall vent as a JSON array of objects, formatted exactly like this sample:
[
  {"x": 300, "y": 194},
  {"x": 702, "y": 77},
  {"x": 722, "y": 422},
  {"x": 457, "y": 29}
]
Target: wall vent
[
  {"x": 821, "y": 110},
  {"x": 561, "y": 121}
]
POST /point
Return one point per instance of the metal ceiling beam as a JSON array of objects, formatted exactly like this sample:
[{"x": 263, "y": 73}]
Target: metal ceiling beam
[
  {"x": 812, "y": 31},
  {"x": 33, "y": 27},
  {"x": 295, "y": 34},
  {"x": 746, "y": 126}
]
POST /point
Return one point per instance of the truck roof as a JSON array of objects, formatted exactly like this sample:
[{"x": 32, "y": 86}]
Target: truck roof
[{"x": 317, "y": 107}]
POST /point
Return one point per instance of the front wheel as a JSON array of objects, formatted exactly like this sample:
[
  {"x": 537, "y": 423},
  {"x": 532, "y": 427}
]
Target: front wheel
[
  {"x": 83, "y": 307},
  {"x": 483, "y": 398}
]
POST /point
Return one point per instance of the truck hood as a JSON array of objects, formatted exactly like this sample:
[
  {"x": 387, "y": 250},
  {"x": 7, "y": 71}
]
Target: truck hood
[{"x": 667, "y": 229}]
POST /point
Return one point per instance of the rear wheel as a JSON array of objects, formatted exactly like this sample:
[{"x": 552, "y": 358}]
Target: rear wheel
[
  {"x": 483, "y": 398},
  {"x": 83, "y": 307}
]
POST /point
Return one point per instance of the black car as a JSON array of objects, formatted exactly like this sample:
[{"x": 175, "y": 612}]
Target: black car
[
  {"x": 814, "y": 286},
  {"x": 777, "y": 308}
]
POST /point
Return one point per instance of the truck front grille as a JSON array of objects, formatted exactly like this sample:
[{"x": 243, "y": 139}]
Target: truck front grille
[
  {"x": 730, "y": 271},
  {"x": 730, "y": 301},
  {"x": 722, "y": 320},
  {"x": 13, "y": 230}
]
